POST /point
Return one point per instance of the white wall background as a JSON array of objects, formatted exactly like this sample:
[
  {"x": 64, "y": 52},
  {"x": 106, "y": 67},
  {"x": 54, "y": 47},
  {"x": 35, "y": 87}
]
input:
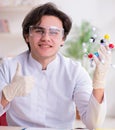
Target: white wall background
[{"x": 101, "y": 13}]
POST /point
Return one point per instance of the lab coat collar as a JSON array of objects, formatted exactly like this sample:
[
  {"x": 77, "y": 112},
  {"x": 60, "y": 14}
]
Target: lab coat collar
[{"x": 51, "y": 66}]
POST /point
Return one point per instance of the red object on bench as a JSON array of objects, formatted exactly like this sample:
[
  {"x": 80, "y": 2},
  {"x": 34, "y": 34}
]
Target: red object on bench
[{"x": 3, "y": 120}]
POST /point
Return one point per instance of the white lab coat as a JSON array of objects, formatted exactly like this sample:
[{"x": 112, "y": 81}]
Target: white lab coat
[{"x": 57, "y": 90}]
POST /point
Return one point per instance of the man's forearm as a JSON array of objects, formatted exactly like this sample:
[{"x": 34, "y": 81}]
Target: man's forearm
[
  {"x": 98, "y": 94},
  {"x": 4, "y": 102}
]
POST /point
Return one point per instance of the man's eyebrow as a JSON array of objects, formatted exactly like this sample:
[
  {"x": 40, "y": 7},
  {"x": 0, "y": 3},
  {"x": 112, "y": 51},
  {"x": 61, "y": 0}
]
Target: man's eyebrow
[
  {"x": 39, "y": 27},
  {"x": 55, "y": 28}
]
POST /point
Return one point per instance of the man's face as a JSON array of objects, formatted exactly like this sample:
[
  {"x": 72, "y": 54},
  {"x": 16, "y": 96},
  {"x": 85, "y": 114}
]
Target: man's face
[{"x": 46, "y": 38}]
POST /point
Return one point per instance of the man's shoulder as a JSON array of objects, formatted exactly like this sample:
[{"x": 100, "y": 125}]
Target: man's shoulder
[
  {"x": 68, "y": 61},
  {"x": 20, "y": 57},
  {"x": 69, "y": 65},
  {"x": 23, "y": 54}
]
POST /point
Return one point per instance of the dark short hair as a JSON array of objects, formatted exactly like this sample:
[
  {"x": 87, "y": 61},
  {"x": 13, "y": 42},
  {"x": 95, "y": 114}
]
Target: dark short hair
[{"x": 35, "y": 15}]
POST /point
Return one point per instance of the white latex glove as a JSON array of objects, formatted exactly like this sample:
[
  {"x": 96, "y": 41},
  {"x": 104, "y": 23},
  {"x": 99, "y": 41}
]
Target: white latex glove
[
  {"x": 102, "y": 65},
  {"x": 20, "y": 85}
]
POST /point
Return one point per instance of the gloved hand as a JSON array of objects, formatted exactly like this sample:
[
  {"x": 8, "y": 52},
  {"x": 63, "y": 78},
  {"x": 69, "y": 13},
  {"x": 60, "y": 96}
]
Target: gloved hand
[
  {"x": 102, "y": 65},
  {"x": 20, "y": 85}
]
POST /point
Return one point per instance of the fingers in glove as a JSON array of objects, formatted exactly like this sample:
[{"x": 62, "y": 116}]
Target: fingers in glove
[
  {"x": 102, "y": 55},
  {"x": 29, "y": 84},
  {"x": 106, "y": 53},
  {"x": 18, "y": 70},
  {"x": 99, "y": 59},
  {"x": 103, "y": 49},
  {"x": 96, "y": 59}
]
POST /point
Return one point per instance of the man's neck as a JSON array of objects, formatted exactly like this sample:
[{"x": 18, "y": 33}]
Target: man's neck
[{"x": 44, "y": 61}]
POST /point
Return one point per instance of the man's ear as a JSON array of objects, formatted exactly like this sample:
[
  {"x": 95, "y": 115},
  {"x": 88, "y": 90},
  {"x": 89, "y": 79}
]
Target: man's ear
[
  {"x": 27, "y": 38},
  {"x": 62, "y": 44}
]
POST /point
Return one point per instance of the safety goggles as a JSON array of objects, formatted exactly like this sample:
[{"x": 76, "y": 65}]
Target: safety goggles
[{"x": 52, "y": 31}]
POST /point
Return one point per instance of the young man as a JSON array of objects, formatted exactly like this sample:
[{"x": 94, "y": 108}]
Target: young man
[{"x": 42, "y": 88}]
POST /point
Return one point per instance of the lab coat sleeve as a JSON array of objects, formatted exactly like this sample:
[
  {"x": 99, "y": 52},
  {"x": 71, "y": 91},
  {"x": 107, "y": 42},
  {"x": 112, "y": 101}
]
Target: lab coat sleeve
[
  {"x": 91, "y": 112},
  {"x": 95, "y": 113},
  {"x": 3, "y": 82}
]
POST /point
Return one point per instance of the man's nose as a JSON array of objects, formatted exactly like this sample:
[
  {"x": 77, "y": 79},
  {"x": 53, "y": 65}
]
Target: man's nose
[{"x": 46, "y": 35}]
